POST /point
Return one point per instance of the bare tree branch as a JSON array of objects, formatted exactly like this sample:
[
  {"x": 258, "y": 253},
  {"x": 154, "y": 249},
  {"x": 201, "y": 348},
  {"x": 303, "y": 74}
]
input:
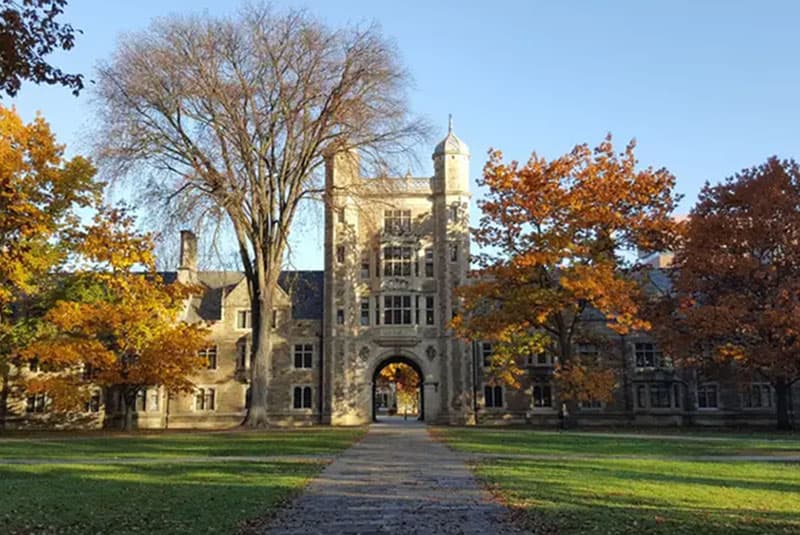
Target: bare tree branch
[{"x": 233, "y": 117}]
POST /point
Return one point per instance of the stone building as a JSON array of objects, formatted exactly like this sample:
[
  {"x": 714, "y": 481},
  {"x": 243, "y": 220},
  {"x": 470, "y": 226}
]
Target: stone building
[{"x": 395, "y": 248}]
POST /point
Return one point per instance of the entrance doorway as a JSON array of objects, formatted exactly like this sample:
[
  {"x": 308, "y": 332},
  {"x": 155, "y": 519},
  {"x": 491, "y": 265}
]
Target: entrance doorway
[{"x": 398, "y": 390}]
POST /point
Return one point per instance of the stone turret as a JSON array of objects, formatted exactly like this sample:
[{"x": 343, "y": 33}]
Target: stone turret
[
  {"x": 451, "y": 164},
  {"x": 342, "y": 169}
]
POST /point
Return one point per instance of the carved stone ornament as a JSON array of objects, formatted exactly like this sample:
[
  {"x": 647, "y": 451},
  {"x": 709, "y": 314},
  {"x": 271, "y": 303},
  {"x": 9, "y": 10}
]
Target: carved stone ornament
[
  {"x": 363, "y": 353},
  {"x": 430, "y": 352}
]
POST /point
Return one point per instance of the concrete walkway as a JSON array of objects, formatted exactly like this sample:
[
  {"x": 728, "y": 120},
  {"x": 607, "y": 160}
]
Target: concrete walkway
[{"x": 396, "y": 480}]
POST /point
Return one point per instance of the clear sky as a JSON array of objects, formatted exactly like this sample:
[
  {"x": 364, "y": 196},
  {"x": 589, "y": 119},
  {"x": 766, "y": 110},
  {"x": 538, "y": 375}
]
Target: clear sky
[{"x": 706, "y": 88}]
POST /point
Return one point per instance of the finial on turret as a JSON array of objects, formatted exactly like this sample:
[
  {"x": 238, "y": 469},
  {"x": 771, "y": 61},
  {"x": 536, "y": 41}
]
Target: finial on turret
[{"x": 451, "y": 144}]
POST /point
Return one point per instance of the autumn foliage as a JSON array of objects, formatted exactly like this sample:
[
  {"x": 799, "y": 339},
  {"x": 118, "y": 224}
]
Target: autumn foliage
[
  {"x": 40, "y": 194},
  {"x": 30, "y": 31},
  {"x": 406, "y": 380},
  {"x": 123, "y": 332},
  {"x": 40, "y": 191},
  {"x": 552, "y": 234},
  {"x": 735, "y": 299}
]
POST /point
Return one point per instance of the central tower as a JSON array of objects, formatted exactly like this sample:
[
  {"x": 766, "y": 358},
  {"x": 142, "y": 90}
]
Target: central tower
[{"x": 395, "y": 249}]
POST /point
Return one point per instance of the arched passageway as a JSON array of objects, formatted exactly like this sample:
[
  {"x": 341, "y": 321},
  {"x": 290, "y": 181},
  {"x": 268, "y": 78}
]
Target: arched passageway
[{"x": 406, "y": 396}]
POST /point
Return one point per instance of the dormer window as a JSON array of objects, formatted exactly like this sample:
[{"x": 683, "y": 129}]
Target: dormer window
[{"x": 396, "y": 221}]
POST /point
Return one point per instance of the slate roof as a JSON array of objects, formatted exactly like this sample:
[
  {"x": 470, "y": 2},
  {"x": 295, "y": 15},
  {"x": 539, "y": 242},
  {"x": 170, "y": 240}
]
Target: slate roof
[{"x": 304, "y": 287}]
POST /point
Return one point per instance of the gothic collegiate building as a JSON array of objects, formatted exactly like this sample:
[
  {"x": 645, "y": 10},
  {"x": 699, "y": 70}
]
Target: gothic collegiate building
[{"x": 395, "y": 248}]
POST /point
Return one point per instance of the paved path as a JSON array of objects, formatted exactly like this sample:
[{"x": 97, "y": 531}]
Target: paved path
[{"x": 396, "y": 480}]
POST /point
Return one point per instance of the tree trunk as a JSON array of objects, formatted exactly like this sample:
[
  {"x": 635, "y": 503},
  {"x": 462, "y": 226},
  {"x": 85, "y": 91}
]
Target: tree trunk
[
  {"x": 127, "y": 420},
  {"x": 261, "y": 314},
  {"x": 4, "y": 402},
  {"x": 782, "y": 404},
  {"x": 569, "y": 407}
]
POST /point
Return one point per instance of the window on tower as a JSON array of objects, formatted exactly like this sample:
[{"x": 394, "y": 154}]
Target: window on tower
[
  {"x": 429, "y": 262},
  {"x": 396, "y": 221},
  {"x": 397, "y": 261},
  {"x": 397, "y": 310}
]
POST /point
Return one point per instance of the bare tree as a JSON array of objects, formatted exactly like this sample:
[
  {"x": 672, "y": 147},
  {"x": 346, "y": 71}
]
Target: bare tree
[{"x": 233, "y": 118}]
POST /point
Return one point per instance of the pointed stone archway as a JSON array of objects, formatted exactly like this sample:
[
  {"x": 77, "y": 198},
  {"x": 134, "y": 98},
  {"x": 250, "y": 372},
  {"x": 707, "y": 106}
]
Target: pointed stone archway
[{"x": 398, "y": 359}]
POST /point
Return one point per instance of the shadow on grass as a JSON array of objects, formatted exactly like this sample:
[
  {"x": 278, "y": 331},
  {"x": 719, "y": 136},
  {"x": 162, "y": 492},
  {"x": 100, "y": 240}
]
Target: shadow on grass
[
  {"x": 624, "y": 496},
  {"x": 322, "y": 441},
  {"x": 166, "y": 498},
  {"x": 527, "y": 441}
]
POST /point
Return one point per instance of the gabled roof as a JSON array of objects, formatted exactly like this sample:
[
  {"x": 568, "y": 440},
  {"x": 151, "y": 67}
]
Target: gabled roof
[{"x": 305, "y": 289}]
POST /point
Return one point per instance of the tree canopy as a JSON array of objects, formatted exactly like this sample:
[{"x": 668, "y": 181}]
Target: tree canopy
[
  {"x": 232, "y": 118},
  {"x": 553, "y": 237},
  {"x": 123, "y": 332},
  {"x": 41, "y": 193},
  {"x": 30, "y": 31},
  {"x": 735, "y": 299}
]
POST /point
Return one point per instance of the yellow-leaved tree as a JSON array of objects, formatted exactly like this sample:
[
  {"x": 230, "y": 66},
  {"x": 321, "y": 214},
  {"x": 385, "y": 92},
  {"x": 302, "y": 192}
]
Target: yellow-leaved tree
[
  {"x": 123, "y": 332},
  {"x": 40, "y": 191}
]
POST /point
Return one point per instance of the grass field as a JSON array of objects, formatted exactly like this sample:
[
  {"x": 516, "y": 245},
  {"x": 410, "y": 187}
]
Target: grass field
[
  {"x": 159, "y": 494},
  {"x": 515, "y": 441},
  {"x": 319, "y": 440},
  {"x": 651, "y": 493}
]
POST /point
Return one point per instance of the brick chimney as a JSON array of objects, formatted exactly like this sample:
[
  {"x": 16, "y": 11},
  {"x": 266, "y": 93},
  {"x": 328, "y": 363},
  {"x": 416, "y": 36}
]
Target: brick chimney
[{"x": 187, "y": 270}]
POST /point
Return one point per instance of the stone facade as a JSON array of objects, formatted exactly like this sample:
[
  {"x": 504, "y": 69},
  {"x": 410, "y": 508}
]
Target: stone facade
[{"x": 395, "y": 248}]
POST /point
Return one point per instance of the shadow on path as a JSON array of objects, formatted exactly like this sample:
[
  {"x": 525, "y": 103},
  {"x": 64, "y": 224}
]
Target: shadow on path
[{"x": 397, "y": 479}]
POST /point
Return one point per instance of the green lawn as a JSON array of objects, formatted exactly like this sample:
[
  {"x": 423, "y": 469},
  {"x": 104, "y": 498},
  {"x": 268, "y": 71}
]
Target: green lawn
[
  {"x": 319, "y": 440},
  {"x": 651, "y": 494},
  {"x": 166, "y": 496},
  {"x": 533, "y": 442}
]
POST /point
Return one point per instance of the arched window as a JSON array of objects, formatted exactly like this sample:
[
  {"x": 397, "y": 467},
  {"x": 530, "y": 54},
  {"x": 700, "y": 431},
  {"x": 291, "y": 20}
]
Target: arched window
[
  {"x": 493, "y": 396},
  {"x": 301, "y": 397},
  {"x": 542, "y": 395}
]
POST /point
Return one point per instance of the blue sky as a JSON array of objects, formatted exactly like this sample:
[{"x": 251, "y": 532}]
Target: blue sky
[{"x": 707, "y": 88}]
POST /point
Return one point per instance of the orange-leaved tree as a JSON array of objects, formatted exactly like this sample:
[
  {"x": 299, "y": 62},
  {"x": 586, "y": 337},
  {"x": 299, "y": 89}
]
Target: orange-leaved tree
[
  {"x": 735, "y": 299},
  {"x": 40, "y": 192},
  {"x": 124, "y": 331},
  {"x": 554, "y": 236}
]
